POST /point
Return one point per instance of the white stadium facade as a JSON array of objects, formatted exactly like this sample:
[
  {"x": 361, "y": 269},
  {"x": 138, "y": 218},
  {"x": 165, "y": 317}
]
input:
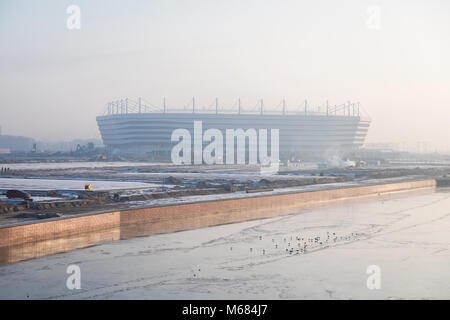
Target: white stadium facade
[{"x": 304, "y": 134}]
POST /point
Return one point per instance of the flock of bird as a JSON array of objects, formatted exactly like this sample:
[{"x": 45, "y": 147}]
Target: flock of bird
[{"x": 301, "y": 244}]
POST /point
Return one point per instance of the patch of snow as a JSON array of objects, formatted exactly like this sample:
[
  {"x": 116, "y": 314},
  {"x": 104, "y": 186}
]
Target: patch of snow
[
  {"x": 47, "y": 184},
  {"x": 73, "y": 165}
]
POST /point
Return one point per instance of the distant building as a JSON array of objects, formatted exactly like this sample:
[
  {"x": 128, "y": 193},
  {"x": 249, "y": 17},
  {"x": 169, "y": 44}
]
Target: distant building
[{"x": 15, "y": 143}]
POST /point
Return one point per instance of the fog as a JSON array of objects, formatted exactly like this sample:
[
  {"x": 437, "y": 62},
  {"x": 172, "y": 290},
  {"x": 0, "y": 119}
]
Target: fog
[{"x": 392, "y": 56}]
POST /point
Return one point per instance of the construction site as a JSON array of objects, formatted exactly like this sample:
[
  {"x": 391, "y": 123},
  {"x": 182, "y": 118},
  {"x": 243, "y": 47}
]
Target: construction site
[{"x": 78, "y": 187}]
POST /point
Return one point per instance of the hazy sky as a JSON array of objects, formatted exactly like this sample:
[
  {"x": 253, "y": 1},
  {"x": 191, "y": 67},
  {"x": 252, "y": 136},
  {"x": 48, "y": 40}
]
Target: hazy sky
[{"x": 55, "y": 81}]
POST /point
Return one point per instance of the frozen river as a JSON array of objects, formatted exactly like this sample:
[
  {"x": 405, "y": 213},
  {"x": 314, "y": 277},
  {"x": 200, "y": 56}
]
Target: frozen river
[{"x": 405, "y": 235}]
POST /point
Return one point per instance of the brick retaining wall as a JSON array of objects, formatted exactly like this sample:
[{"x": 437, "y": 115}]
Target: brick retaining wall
[{"x": 192, "y": 215}]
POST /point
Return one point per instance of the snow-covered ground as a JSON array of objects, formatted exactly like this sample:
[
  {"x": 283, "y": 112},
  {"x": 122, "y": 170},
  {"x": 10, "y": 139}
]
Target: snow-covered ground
[
  {"x": 35, "y": 199},
  {"x": 47, "y": 184},
  {"x": 212, "y": 175},
  {"x": 74, "y": 165},
  {"x": 405, "y": 235},
  {"x": 243, "y": 194}
]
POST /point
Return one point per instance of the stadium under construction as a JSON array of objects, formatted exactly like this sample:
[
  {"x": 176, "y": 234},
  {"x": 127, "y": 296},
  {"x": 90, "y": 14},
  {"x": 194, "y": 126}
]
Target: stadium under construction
[{"x": 306, "y": 133}]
